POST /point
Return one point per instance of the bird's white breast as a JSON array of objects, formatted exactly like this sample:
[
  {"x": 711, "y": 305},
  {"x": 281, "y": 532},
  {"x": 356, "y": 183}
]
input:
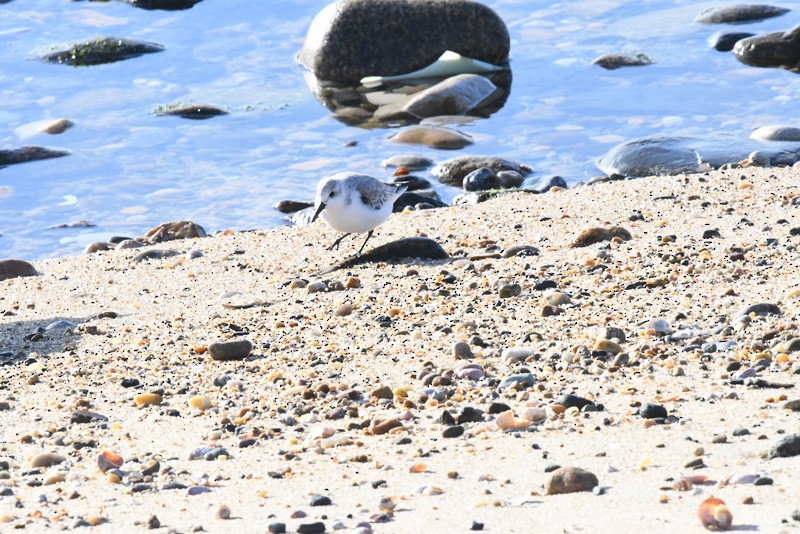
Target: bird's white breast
[{"x": 355, "y": 217}]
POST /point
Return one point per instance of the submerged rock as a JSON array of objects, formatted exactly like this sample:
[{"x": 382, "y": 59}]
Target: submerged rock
[
  {"x": 776, "y": 133},
  {"x": 739, "y": 13},
  {"x": 724, "y": 41},
  {"x": 191, "y": 111},
  {"x": 410, "y": 162},
  {"x": 433, "y": 136},
  {"x": 100, "y": 50},
  {"x": 28, "y": 153},
  {"x": 453, "y": 96},
  {"x": 351, "y": 39},
  {"x": 773, "y": 50},
  {"x": 663, "y": 155},
  {"x": 454, "y": 170},
  {"x": 615, "y": 61},
  {"x": 166, "y": 5}
]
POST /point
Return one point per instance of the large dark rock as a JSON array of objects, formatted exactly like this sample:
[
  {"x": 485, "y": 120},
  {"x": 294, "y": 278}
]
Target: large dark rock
[
  {"x": 739, "y": 13},
  {"x": 100, "y": 50},
  {"x": 16, "y": 269},
  {"x": 775, "y": 49},
  {"x": 28, "y": 153},
  {"x": 351, "y": 39},
  {"x": 166, "y": 5},
  {"x": 408, "y": 247},
  {"x": 724, "y": 41},
  {"x": 662, "y": 155}
]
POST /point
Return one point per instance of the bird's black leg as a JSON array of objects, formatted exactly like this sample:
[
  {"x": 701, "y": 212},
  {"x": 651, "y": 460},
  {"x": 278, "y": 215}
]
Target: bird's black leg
[
  {"x": 335, "y": 244},
  {"x": 369, "y": 234}
]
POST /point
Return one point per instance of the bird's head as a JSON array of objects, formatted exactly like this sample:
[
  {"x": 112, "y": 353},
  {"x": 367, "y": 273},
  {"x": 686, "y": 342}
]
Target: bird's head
[{"x": 329, "y": 193}]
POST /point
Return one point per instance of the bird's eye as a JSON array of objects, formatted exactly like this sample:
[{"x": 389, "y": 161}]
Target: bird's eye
[{"x": 333, "y": 194}]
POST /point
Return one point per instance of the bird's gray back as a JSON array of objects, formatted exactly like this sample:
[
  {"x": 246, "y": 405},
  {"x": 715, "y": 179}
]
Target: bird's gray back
[{"x": 373, "y": 192}]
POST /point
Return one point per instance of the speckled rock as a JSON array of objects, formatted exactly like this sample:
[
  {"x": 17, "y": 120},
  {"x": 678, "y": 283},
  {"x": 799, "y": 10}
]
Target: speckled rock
[
  {"x": 739, "y": 13},
  {"x": 775, "y": 50},
  {"x": 569, "y": 480},
  {"x": 351, "y": 39},
  {"x": 230, "y": 350}
]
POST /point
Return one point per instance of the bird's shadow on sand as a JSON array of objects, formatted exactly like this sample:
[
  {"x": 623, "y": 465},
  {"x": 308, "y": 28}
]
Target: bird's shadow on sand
[{"x": 409, "y": 247}]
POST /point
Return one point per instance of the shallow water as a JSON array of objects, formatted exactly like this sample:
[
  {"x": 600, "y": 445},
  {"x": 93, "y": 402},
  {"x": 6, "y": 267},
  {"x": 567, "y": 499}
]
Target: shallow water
[{"x": 130, "y": 169}]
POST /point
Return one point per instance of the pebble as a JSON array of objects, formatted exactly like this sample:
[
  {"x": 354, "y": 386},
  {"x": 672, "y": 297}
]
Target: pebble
[
  {"x": 230, "y": 350},
  {"x": 792, "y": 405},
  {"x": 277, "y": 528},
  {"x": 311, "y": 528},
  {"x": 433, "y": 136},
  {"x": 107, "y": 460},
  {"x": 763, "y": 308},
  {"x": 344, "y": 310},
  {"x": 412, "y": 163},
  {"x": 47, "y": 459},
  {"x": 197, "y": 490},
  {"x": 316, "y": 287},
  {"x": 453, "y": 431},
  {"x": 509, "y": 290},
  {"x": 524, "y": 379},
  {"x": 224, "y": 512},
  {"x": 652, "y": 411},
  {"x": 16, "y": 269},
  {"x": 320, "y": 500},
  {"x": 570, "y": 400},
  {"x": 569, "y": 479},
  {"x": 147, "y": 399},
  {"x": 208, "y": 453},
  {"x": 383, "y": 392},
  {"x": 476, "y": 525},
  {"x": 201, "y": 403},
  {"x": 590, "y": 236}
]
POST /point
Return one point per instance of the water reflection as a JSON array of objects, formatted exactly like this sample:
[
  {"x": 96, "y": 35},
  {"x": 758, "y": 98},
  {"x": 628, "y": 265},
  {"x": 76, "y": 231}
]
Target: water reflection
[{"x": 383, "y": 104}]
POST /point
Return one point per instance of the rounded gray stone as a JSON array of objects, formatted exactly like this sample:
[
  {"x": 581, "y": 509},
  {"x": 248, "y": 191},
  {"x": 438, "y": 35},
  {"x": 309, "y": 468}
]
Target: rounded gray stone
[
  {"x": 351, "y": 39},
  {"x": 230, "y": 350}
]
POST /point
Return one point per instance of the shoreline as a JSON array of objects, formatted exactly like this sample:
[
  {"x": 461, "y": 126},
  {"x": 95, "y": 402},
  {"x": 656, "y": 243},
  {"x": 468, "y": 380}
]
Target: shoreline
[{"x": 311, "y": 402}]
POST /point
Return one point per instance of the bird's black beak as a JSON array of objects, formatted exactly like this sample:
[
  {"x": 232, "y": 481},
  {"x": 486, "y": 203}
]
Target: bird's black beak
[{"x": 319, "y": 210}]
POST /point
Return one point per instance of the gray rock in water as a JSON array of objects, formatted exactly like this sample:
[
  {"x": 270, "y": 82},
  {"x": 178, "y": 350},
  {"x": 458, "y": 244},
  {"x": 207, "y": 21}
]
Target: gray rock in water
[
  {"x": 410, "y": 162},
  {"x": 165, "y": 5},
  {"x": 481, "y": 180},
  {"x": 775, "y": 50},
  {"x": 433, "y": 136},
  {"x": 739, "y": 13},
  {"x": 542, "y": 184},
  {"x": 724, "y": 41},
  {"x": 28, "y": 153},
  {"x": 454, "y": 170},
  {"x": 100, "y": 50},
  {"x": 662, "y": 155},
  {"x": 776, "y": 133},
  {"x": 409, "y": 247},
  {"x": 453, "y": 96},
  {"x": 192, "y": 111},
  {"x": 351, "y": 39},
  {"x": 615, "y": 61},
  {"x": 292, "y": 206},
  {"x": 409, "y": 199}
]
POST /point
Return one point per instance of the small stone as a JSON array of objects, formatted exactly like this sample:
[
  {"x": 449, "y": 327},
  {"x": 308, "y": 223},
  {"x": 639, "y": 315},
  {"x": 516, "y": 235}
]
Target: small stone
[
  {"x": 462, "y": 350},
  {"x": 740, "y": 431},
  {"x": 470, "y": 415},
  {"x": 481, "y": 180},
  {"x": 453, "y": 431},
  {"x": 378, "y": 427},
  {"x": 763, "y": 308},
  {"x": 570, "y": 400},
  {"x": 147, "y": 399},
  {"x": 344, "y": 310},
  {"x": 652, "y": 411},
  {"x": 786, "y": 447},
  {"x": 569, "y": 479},
  {"x": 352, "y": 283},
  {"x": 509, "y": 290},
  {"x": 320, "y": 500},
  {"x": 793, "y": 405},
  {"x": 383, "y": 392},
  {"x": 174, "y": 230},
  {"x": 47, "y": 459},
  {"x": 277, "y": 528},
  {"x": 311, "y": 528},
  {"x": 719, "y": 439},
  {"x": 201, "y": 403},
  {"x": 107, "y": 460},
  {"x": 230, "y": 350},
  {"x": 763, "y": 481},
  {"x": 153, "y": 522},
  {"x": 316, "y": 287},
  {"x": 476, "y": 525},
  {"x": 594, "y": 235},
  {"x": 606, "y": 345}
]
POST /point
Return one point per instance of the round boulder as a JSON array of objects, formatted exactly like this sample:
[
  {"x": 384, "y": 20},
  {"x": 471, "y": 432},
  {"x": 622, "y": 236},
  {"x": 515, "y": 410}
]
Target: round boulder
[{"x": 351, "y": 39}]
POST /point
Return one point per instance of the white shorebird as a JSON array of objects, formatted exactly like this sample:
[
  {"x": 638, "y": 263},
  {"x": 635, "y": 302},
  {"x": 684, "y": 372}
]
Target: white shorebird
[{"x": 354, "y": 203}]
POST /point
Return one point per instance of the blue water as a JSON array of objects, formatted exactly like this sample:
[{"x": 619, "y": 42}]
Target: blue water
[{"x": 130, "y": 169}]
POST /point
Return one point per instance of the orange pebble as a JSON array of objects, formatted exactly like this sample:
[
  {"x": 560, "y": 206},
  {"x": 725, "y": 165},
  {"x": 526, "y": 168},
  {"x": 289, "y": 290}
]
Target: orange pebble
[
  {"x": 400, "y": 171},
  {"x": 714, "y": 514}
]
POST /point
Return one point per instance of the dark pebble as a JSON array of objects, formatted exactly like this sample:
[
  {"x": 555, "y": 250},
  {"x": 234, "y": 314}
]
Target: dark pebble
[
  {"x": 453, "y": 431},
  {"x": 710, "y": 234},
  {"x": 277, "y": 528},
  {"x": 320, "y": 500},
  {"x": 793, "y": 405},
  {"x": 652, "y": 411},
  {"x": 498, "y": 407},
  {"x": 129, "y": 382},
  {"x": 719, "y": 438},
  {"x": 569, "y": 400},
  {"x": 541, "y": 285},
  {"x": 447, "y": 418},
  {"x": 311, "y": 528},
  {"x": 174, "y": 486},
  {"x": 740, "y": 431},
  {"x": 550, "y": 468},
  {"x": 476, "y": 525},
  {"x": 247, "y": 442},
  {"x": 697, "y": 463},
  {"x": 230, "y": 350},
  {"x": 763, "y": 481},
  {"x": 470, "y": 415},
  {"x": 138, "y": 488}
]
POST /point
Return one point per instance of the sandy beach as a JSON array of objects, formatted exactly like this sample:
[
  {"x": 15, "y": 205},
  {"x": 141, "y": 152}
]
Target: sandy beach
[{"x": 384, "y": 397}]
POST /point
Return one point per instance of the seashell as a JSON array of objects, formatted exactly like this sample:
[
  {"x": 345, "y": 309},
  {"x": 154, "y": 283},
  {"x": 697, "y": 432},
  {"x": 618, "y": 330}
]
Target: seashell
[
  {"x": 714, "y": 514},
  {"x": 507, "y": 421},
  {"x": 108, "y": 460},
  {"x": 743, "y": 478}
]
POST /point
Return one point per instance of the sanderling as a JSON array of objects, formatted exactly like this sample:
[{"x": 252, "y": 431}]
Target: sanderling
[{"x": 354, "y": 203}]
